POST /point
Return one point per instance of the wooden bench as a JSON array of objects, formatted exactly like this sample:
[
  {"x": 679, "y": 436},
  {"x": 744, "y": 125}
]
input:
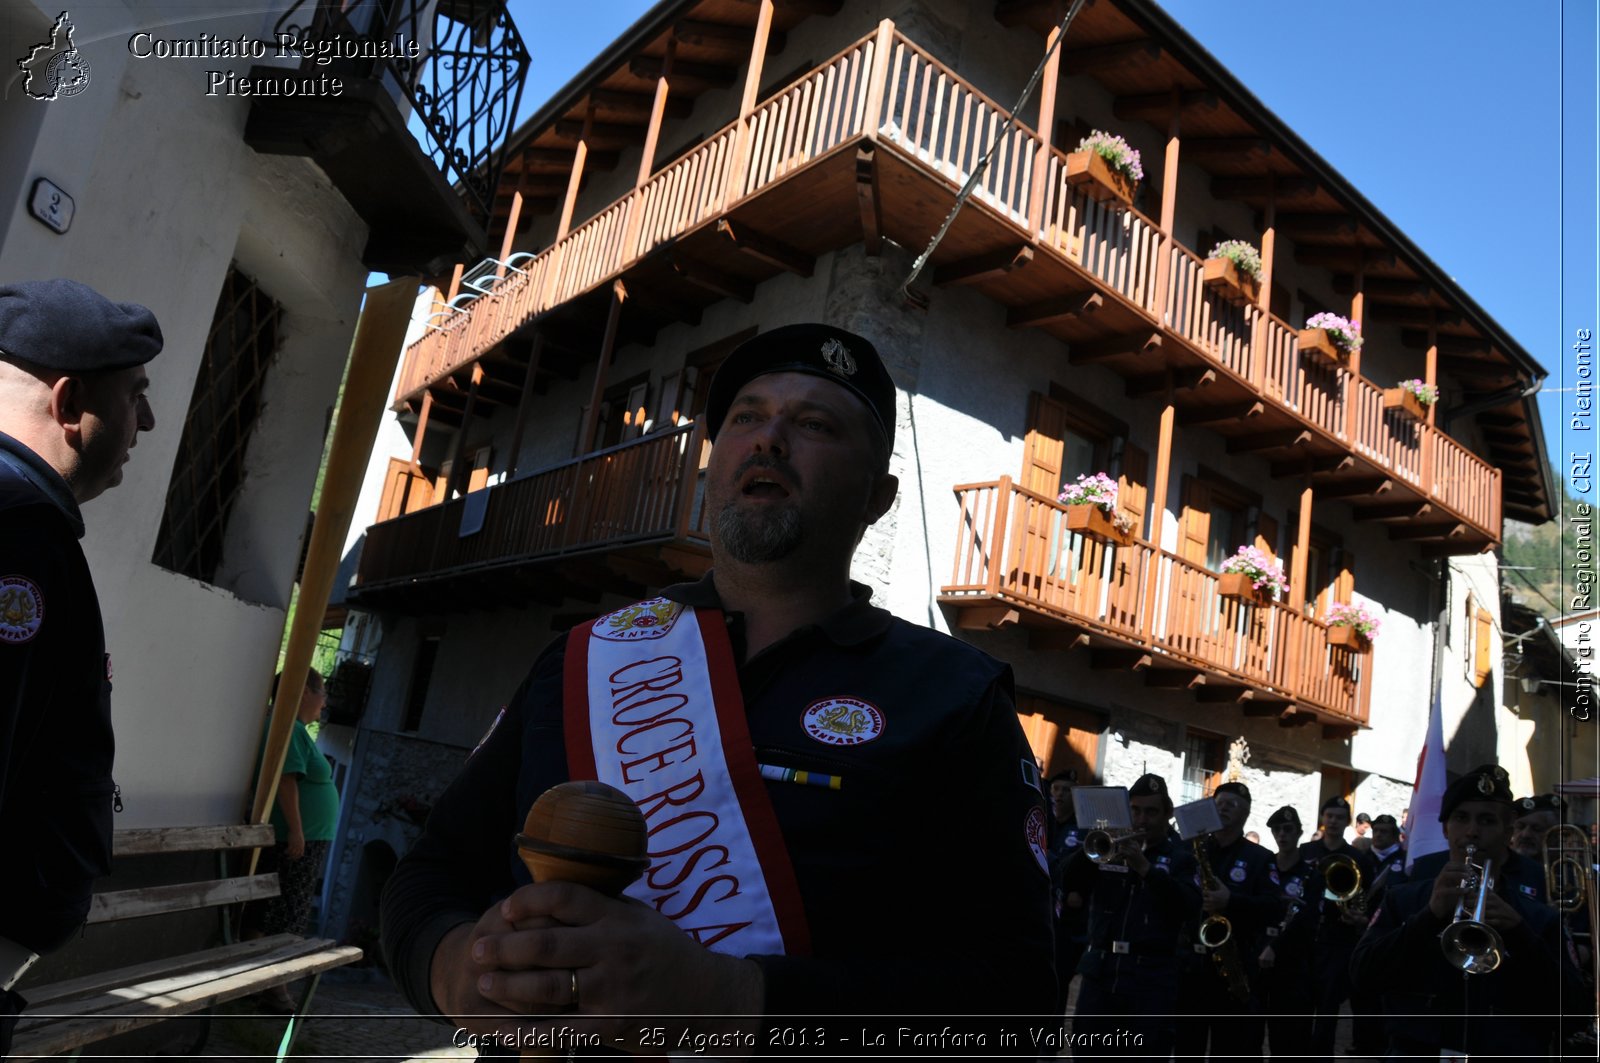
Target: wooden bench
[{"x": 65, "y": 1016}]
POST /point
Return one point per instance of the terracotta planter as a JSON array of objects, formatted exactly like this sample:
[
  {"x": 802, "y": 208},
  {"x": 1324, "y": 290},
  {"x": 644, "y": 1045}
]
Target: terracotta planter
[
  {"x": 1348, "y": 637},
  {"x": 1406, "y": 402},
  {"x": 1086, "y": 169},
  {"x": 1240, "y": 587},
  {"x": 1231, "y": 283},
  {"x": 1317, "y": 341},
  {"x": 1092, "y": 522}
]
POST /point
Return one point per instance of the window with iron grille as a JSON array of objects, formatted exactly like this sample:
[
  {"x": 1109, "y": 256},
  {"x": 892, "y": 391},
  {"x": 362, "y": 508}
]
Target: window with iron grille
[{"x": 209, "y": 471}]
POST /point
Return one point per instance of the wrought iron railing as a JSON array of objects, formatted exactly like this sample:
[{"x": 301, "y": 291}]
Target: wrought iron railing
[{"x": 463, "y": 77}]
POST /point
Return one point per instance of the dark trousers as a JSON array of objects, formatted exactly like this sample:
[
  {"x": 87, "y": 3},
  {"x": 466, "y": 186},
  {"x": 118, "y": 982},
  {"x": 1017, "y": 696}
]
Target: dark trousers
[
  {"x": 1366, "y": 1026},
  {"x": 1211, "y": 1020},
  {"x": 1068, "y": 954},
  {"x": 1127, "y": 995},
  {"x": 1330, "y": 980},
  {"x": 290, "y": 911},
  {"x": 11, "y": 1005},
  {"x": 1286, "y": 999}
]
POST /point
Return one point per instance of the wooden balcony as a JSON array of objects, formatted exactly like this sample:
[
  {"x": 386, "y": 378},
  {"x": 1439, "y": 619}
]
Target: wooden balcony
[
  {"x": 874, "y": 143},
  {"x": 1136, "y": 608},
  {"x": 625, "y": 518}
]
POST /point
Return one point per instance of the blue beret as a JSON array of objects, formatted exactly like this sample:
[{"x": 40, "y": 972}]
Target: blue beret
[
  {"x": 71, "y": 328},
  {"x": 821, "y": 350}
]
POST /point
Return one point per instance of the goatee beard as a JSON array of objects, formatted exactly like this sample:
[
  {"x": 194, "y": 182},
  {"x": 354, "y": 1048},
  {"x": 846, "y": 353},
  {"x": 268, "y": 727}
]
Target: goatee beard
[{"x": 754, "y": 537}]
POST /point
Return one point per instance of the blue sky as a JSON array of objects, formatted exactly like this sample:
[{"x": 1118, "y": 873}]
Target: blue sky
[{"x": 1466, "y": 122}]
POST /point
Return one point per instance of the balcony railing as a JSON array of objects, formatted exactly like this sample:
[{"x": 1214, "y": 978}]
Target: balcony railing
[
  {"x": 885, "y": 88},
  {"x": 1013, "y": 547},
  {"x": 641, "y": 491},
  {"x": 464, "y": 89}
]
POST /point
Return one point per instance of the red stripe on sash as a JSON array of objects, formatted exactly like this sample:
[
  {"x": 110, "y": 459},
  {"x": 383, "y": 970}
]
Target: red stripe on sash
[
  {"x": 575, "y": 704},
  {"x": 739, "y": 752}
]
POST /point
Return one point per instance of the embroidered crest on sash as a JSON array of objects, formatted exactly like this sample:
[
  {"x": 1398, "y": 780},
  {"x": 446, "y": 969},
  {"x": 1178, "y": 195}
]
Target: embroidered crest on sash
[
  {"x": 1033, "y": 827},
  {"x": 843, "y": 721},
  {"x": 21, "y": 609},
  {"x": 647, "y": 620}
]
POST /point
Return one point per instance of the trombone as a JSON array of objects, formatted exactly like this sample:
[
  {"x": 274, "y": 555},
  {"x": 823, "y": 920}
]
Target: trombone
[{"x": 1470, "y": 944}]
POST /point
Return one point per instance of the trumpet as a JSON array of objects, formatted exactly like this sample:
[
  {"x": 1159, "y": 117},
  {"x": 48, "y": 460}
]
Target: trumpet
[
  {"x": 1100, "y": 845},
  {"x": 1568, "y": 863},
  {"x": 1470, "y": 944},
  {"x": 1341, "y": 881}
]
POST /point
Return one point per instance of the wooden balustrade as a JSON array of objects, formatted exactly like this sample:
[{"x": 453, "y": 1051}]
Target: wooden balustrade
[
  {"x": 1389, "y": 437},
  {"x": 946, "y": 124},
  {"x": 1463, "y": 481},
  {"x": 1212, "y": 323},
  {"x": 925, "y": 111},
  {"x": 1012, "y": 546},
  {"x": 646, "y": 489}
]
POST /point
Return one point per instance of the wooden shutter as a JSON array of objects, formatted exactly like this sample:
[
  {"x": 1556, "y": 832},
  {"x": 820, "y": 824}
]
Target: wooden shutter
[
  {"x": 1047, "y": 427},
  {"x": 1482, "y": 642},
  {"x": 1041, "y": 734},
  {"x": 1345, "y": 588},
  {"x": 633, "y": 411},
  {"x": 1132, "y": 486},
  {"x": 479, "y": 477},
  {"x": 1267, "y": 535},
  {"x": 1196, "y": 520},
  {"x": 667, "y": 403}
]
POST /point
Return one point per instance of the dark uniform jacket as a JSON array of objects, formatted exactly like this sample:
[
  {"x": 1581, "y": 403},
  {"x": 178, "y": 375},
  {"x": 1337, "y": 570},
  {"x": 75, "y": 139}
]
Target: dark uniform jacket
[
  {"x": 1065, "y": 839},
  {"x": 1132, "y": 917},
  {"x": 887, "y": 936},
  {"x": 55, "y": 709},
  {"x": 1432, "y": 1005},
  {"x": 1292, "y": 935},
  {"x": 1331, "y": 928},
  {"x": 1523, "y": 876},
  {"x": 1255, "y": 902}
]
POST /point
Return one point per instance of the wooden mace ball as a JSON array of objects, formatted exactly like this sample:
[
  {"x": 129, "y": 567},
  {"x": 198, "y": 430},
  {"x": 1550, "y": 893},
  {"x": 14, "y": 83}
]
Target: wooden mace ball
[{"x": 585, "y": 832}]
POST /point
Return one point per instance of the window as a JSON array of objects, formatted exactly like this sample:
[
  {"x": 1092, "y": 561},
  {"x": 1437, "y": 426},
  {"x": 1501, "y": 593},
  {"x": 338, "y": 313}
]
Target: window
[
  {"x": 209, "y": 470},
  {"x": 1067, "y": 437},
  {"x": 1330, "y": 571},
  {"x": 1219, "y": 516},
  {"x": 1480, "y": 642},
  {"x": 421, "y": 677},
  {"x": 699, "y": 366},
  {"x": 1205, "y": 758}
]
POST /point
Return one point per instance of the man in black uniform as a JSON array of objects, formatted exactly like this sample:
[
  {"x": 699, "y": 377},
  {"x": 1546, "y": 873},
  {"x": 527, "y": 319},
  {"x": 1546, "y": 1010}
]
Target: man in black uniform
[
  {"x": 72, "y": 403},
  {"x": 1216, "y": 996},
  {"x": 1338, "y": 927},
  {"x": 1070, "y": 909},
  {"x": 1139, "y": 901},
  {"x": 1432, "y": 1004},
  {"x": 1387, "y": 862},
  {"x": 1285, "y": 981},
  {"x": 1533, "y": 817},
  {"x": 842, "y": 704}
]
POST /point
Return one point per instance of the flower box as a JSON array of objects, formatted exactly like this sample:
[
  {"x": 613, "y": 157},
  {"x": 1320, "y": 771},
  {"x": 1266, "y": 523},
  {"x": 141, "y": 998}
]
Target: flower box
[
  {"x": 1240, "y": 587},
  {"x": 1231, "y": 283},
  {"x": 1403, "y": 400},
  {"x": 1347, "y": 636},
  {"x": 1091, "y": 172},
  {"x": 1317, "y": 341},
  {"x": 1095, "y": 523}
]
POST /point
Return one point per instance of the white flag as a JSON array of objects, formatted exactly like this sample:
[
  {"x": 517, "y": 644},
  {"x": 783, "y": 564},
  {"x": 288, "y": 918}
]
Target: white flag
[{"x": 1424, "y": 832}]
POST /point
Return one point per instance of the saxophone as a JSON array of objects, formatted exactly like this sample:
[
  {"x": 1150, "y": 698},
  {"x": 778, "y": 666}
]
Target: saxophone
[{"x": 1216, "y": 933}]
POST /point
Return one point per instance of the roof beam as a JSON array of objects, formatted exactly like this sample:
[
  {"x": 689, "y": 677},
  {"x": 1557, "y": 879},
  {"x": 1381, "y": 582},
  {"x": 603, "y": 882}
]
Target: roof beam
[
  {"x": 1428, "y": 531},
  {"x": 1306, "y": 224},
  {"x": 1274, "y": 440},
  {"x": 1053, "y": 310},
  {"x": 1254, "y": 187},
  {"x": 722, "y": 34},
  {"x": 637, "y": 105},
  {"x": 1377, "y": 287},
  {"x": 1135, "y": 343},
  {"x": 558, "y": 157},
  {"x": 1208, "y": 415},
  {"x": 713, "y": 280},
  {"x": 610, "y": 132},
  {"x": 1119, "y": 659},
  {"x": 1394, "y": 511},
  {"x": 1157, "y": 106},
  {"x": 1212, "y": 146},
  {"x": 764, "y": 248},
  {"x": 1104, "y": 57},
  {"x": 1197, "y": 376},
  {"x": 1366, "y": 487},
  {"x": 1346, "y": 259},
  {"x": 979, "y": 268},
  {"x": 1467, "y": 346},
  {"x": 1329, "y": 463},
  {"x": 1421, "y": 316},
  {"x": 715, "y": 75}
]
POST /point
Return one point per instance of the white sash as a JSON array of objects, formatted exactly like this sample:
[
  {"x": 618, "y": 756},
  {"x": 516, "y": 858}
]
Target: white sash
[{"x": 652, "y": 707}]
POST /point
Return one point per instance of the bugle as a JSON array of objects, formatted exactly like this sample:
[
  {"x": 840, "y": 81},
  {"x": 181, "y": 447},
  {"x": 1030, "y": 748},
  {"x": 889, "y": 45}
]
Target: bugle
[
  {"x": 1101, "y": 845},
  {"x": 1470, "y": 944},
  {"x": 1341, "y": 881}
]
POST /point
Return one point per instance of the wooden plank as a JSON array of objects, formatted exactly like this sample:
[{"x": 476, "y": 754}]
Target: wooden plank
[
  {"x": 1054, "y": 310},
  {"x": 1275, "y": 440},
  {"x": 141, "y": 841},
  {"x": 155, "y": 900},
  {"x": 240, "y": 955},
  {"x": 984, "y": 267},
  {"x": 764, "y": 248},
  {"x": 130, "y": 1007},
  {"x": 1208, "y": 415}
]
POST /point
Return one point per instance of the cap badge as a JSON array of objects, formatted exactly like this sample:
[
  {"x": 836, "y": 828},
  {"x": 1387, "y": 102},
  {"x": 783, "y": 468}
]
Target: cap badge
[
  {"x": 1526, "y": 802},
  {"x": 1485, "y": 785},
  {"x": 838, "y": 357}
]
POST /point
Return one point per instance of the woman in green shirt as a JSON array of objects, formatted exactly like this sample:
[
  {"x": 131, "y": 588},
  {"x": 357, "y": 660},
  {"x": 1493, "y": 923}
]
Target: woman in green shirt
[{"x": 305, "y": 814}]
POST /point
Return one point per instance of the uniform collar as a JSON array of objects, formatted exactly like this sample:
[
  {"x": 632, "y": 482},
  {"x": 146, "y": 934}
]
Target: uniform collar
[
  {"x": 1393, "y": 850},
  {"x": 36, "y": 471},
  {"x": 850, "y": 626}
]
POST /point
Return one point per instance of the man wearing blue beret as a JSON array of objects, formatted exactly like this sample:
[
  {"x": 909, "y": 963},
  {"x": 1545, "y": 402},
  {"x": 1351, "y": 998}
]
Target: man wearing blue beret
[{"x": 72, "y": 405}]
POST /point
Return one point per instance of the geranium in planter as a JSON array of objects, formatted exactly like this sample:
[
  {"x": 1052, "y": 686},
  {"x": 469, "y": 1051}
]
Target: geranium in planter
[
  {"x": 1351, "y": 626},
  {"x": 1092, "y": 510},
  {"x": 1251, "y": 575},
  {"x": 1331, "y": 337},
  {"x": 1106, "y": 167},
  {"x": 1413, "y": 397},
  {"x": 1233, "y": 271}
]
